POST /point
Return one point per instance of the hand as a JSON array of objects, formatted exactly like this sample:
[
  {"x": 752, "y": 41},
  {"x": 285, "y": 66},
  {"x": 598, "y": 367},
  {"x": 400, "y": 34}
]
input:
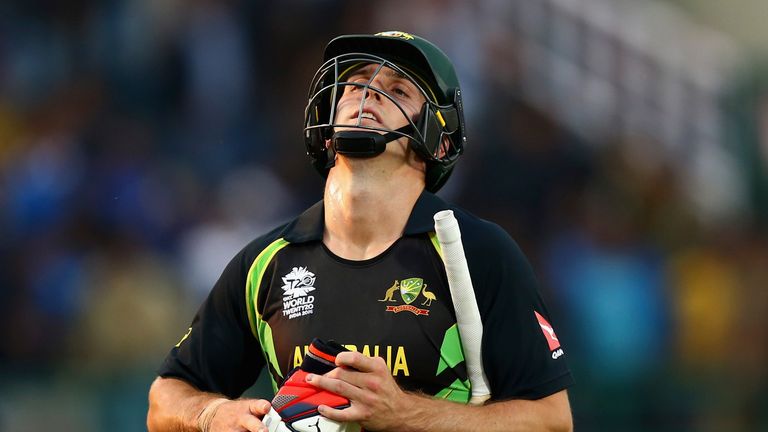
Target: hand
[
  {"x": 239, "y": 415},
  {"x": 376, "y": 401}
]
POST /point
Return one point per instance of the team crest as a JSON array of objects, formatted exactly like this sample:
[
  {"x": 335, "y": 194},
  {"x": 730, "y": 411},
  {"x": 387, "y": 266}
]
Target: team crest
[
  {"x": 296, "y": 288},
  {"x": 410, "y": 289}
]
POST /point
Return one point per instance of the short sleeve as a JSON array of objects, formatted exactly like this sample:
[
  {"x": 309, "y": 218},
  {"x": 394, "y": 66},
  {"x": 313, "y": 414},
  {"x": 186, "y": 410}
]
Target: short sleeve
[
  {"x": 219, "y": 353},
  {"x": 522, "y": 356}
]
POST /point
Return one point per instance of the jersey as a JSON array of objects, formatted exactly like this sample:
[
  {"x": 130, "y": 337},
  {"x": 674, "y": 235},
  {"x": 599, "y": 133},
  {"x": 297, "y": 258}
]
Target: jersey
[{"x": 286, "y": 288}]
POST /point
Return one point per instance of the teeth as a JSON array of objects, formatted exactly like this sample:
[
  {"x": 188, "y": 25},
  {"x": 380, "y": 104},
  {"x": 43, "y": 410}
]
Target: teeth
[{"x": 368, "y": 116}]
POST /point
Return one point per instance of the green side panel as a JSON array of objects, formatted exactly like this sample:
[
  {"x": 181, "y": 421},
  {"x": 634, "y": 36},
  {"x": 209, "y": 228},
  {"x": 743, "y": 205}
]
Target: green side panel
[
  {"x": 260, "y": 328},
  {"x": 458, "y": 391},
  {"x": 451, "y": 352},
  {"x": 268, "y": 346},
  {"x": 436, "y": 244}
]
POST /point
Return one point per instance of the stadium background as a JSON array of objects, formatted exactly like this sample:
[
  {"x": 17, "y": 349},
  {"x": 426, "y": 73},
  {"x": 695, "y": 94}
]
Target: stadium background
[{"x": 624, "y": 144}]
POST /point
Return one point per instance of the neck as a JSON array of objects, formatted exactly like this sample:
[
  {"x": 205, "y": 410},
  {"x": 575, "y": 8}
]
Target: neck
[{"x": 366, "y": 207}]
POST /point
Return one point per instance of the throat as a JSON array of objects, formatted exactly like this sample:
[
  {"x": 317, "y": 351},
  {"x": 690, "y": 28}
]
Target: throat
[
  {"x": 362, "y": 219},
  {"x": 361, "y": 227},
  {"x": 356, "y": 251}
]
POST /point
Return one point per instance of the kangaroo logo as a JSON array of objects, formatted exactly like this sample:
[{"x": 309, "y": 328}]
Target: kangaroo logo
[{"x": 390, "y": 294}]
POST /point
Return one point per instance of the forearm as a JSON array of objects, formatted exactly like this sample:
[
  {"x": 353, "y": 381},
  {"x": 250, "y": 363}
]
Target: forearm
[
  {"x": 175, "y": 405},
  {"x": 424, "y": 414}
]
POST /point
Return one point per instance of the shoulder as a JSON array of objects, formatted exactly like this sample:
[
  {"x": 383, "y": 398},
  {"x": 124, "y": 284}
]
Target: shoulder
[
  {"x": 485, "y": 239},
  {"x": 257, "y": 246},
  {"x": 485, "y": 243},
  {"x": 499, "y": 269},
  {"x": 235, "y": 274},
  {"x": 308, "y": 226}
]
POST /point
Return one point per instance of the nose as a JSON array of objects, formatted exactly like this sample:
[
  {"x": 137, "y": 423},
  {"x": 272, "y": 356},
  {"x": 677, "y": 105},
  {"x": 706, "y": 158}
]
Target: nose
[
  {"x": 372, "y": 93},
  {"x": 368, "y": 92}
]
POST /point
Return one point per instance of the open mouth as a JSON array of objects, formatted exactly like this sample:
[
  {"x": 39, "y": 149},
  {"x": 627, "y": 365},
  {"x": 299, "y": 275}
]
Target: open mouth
[
  {"x": 369, "y": 116},
  {"x": 366, "y": 114}
]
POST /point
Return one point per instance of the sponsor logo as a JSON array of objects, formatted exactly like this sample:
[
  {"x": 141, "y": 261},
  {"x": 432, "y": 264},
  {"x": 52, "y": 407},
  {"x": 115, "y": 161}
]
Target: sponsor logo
[
  {"x": 296, "y": 288},
  {"x": 317, "y": 425},
  {"x": 549, "y": 334},
  {"x": 396, "y": 34},
  {"x": 409, "y": 290}
]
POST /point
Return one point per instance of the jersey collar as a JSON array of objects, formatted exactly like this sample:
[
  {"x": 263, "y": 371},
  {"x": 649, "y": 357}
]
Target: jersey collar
[
  {"x": 422, "y": 216},
  {"x": 310, "y": 224}
]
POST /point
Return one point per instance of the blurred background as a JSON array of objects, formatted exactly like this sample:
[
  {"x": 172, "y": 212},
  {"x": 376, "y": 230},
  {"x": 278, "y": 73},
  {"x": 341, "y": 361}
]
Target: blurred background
[{"x": 624, "y": 144}]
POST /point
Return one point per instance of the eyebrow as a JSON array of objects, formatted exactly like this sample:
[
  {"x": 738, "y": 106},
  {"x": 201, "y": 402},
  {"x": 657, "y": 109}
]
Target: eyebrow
[
  {"x": 388, "y": 72},
  {"x": 395, "y": 74},
  {"x": 358, "y": 68}
]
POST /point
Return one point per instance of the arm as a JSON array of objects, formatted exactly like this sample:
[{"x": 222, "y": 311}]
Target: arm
[
  {"x": 175, "y": 405},
  {"x": 216, "y": 360},
  {"x": 379, "y": 404},
  {"x": 551, "y": 413}
]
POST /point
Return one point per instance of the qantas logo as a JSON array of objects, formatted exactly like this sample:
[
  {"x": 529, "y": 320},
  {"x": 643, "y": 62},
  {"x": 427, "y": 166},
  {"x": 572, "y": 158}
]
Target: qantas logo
[{"x": 549, "y": 334}]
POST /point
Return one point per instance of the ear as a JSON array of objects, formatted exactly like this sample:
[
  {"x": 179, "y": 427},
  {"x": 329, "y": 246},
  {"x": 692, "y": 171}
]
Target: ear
[{"x": 445, "y": 145}]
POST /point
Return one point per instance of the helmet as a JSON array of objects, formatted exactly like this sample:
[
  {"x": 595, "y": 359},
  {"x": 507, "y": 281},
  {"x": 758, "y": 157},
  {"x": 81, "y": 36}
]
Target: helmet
[{"x": 436, "y": 134}]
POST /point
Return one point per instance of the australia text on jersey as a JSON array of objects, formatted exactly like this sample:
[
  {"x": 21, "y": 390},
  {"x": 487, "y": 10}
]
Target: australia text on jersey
[{"x": 394, "y": 356}]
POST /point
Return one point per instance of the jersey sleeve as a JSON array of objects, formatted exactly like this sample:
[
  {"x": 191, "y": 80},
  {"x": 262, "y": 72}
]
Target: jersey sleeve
[
  {"x": 219, "y": 353},
  {"x": 522, "y": 356}
]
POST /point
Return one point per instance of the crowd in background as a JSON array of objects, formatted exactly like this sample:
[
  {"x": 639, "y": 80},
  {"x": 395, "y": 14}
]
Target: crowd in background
[{"x": 143, "y": 143}]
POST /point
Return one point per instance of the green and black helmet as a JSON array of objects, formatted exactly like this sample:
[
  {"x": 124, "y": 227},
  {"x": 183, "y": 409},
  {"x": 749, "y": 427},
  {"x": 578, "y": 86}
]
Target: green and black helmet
[{"x": 422, "y": 63}]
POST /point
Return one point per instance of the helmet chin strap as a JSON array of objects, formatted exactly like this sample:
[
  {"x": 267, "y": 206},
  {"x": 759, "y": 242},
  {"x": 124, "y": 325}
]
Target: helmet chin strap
[{"x": 364, "y": 144}]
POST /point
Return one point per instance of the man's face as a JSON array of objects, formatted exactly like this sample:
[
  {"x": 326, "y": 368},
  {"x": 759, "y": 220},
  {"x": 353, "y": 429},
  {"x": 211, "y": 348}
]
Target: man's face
[{"x": 377, "y": 110}]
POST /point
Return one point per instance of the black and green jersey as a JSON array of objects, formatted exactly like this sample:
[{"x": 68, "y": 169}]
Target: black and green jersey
[{"x": 286, "y": 288}]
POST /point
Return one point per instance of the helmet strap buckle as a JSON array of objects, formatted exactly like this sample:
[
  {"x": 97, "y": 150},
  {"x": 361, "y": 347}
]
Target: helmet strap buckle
[
  {"x": 364, "y": 144},
  {"x": 359, "y": 144}
]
